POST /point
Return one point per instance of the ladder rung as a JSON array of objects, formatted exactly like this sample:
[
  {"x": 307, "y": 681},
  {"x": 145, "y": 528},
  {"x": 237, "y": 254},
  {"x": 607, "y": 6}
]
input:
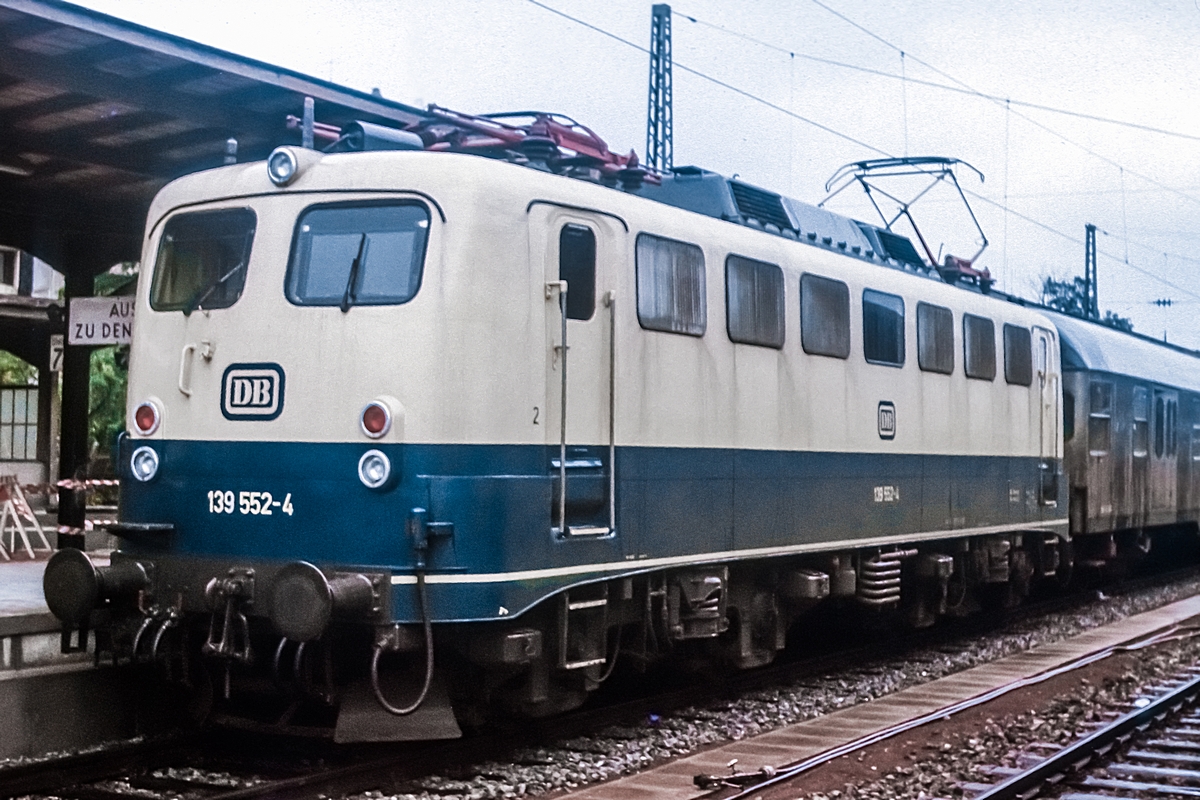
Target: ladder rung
[{"x": 588, "y": 530}]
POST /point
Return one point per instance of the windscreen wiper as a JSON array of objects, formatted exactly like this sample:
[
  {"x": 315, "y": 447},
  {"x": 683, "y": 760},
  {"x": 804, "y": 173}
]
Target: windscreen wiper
[
  {"x": 203, "y": 294},
  {"x": 355, "y": 265}
]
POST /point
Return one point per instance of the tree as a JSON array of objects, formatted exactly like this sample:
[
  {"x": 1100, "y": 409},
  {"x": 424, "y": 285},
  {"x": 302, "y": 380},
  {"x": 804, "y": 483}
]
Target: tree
[{"x": 1070, "y": 297}]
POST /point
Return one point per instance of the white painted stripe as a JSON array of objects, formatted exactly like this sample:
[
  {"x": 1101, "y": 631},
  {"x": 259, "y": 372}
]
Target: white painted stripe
[{"x": 726, "y": 555}]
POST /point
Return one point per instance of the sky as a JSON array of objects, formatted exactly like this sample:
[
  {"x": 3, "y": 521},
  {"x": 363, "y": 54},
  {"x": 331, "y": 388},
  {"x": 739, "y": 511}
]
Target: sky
[{"x": 784, "y": 92}]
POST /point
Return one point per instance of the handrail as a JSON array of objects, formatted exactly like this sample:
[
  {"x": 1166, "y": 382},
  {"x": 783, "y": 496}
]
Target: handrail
[{"x": 610, "y": 300}]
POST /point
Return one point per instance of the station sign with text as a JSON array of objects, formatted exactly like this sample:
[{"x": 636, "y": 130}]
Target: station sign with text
[{"x": 100, "y": 320}]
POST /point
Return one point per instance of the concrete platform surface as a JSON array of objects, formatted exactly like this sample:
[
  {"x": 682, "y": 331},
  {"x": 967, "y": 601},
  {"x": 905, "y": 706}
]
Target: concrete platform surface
[{"x": 21, "y": 588}]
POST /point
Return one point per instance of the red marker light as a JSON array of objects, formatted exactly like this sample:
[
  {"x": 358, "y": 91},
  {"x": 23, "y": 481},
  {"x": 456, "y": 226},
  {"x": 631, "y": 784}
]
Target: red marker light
[
  {"x": 375, "y": 420},
  {"x": 146, "y": 418}
]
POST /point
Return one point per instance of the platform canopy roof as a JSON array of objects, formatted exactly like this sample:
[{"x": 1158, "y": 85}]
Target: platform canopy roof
[{"x": 96, "y": 114}]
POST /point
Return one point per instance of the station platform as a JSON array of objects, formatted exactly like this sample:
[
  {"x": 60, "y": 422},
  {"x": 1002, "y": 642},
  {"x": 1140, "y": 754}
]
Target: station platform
[{"x": 55, "y": 701}]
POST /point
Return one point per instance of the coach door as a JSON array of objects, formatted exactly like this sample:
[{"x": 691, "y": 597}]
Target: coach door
[
  {"x": 1164, "y": 456},
  {"x": 1049, "y": 425},
  {"x": 580, "y": 251}
]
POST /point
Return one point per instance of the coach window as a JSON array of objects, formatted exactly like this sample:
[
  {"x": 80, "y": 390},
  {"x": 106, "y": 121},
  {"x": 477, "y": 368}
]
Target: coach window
[
  {"x": 1141, "y": 422},
  {"x": 935, "y": 338},
  {"x": 1160, "y": 427},
  {"x": 577, "y": 266},
  {"x": 754, "y": 301},
  {"x": 1196, "y": 431},
  {"x": 1068, "y": 416},
  {"x": 1172, "y": 427},
  {"x": 1099, "y": 418},
  {"x": 1018, "y": 355},
  {"x": 824, "y": 316},
  {"x": 883, "y": 328},
  {"x": 202, "y": 260},
  {"x": 670, "y": 286},
  {"x": 357, "y": 254},
  {"x": 979, "y": 347}
]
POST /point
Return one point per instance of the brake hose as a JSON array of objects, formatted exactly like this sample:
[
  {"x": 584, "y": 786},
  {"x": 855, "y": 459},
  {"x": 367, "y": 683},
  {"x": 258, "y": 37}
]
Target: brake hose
[{"x": 380, "y": 646}]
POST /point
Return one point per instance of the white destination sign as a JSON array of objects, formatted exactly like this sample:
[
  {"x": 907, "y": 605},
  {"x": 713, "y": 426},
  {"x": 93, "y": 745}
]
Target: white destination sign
[{"x": 100, "y": 320}]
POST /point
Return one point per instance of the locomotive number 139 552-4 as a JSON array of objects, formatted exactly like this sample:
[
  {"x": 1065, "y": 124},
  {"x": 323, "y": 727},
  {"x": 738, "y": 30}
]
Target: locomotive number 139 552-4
[{"x": 260, "y": 503}]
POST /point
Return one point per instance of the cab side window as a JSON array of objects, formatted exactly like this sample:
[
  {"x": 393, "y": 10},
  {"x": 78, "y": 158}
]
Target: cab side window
[{"x": 577, "y": 266}]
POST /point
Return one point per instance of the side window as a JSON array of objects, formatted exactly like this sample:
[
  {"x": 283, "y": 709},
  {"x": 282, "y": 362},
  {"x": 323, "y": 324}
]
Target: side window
[
  {"x": 1195, "y": 431},
  {"x": 754, "y": 301},
  {"x": 1160, "y": 427},
  {"x": 1141, "y": 422},
  {"x": 1018, "y": 356},
  {"x": 577, "y": 266},
  {"x": 1172, "y": 427},
  {"x": 202, "y": 259},
  {"x": 357, "y": 254},
  {"x": 1068, "y": 416},
  {"x": 883, "y": 328},
  {"x": 824, "y": 316},
  {"x": 935, "y": 338},
  {"x": 1099, "y": 418},
  {"x": 670, "y": 286},
  {"x": 979, "y": 347}
]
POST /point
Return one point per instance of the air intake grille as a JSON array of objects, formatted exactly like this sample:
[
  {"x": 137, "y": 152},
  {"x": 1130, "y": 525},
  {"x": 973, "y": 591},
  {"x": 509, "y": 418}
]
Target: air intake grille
[
  {"x": 754, "y": 203},
  {"x": 899, "y": 248}
]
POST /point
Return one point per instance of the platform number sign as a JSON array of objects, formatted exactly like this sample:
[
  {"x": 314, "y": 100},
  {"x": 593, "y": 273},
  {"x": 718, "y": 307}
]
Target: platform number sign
[{"x": 56, "y": 352}]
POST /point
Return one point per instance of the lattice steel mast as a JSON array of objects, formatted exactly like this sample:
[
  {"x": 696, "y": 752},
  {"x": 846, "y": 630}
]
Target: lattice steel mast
[{"x": 659, "y": 151}]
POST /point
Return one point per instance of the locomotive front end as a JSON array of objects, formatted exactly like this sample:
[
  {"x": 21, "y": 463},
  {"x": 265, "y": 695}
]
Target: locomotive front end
[{"x": 265, "y": 499}]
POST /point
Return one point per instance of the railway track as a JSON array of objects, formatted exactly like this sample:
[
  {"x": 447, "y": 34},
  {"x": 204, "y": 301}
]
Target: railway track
[
  {"x": 1153, "y": 750},
  {"x": 209, "y": 768}
]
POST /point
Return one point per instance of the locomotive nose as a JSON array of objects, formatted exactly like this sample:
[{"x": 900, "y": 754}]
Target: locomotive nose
[
  {"x": 73, "y": 585},
  {"x": 304, "y": 600}
]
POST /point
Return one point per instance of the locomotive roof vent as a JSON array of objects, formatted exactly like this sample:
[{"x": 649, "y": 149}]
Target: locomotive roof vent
[{"x": 760, "y": 205}]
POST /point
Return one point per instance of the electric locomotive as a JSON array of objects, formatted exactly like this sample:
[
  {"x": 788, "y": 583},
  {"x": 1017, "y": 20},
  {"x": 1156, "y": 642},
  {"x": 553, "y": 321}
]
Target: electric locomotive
[{"x": 426, "y": 436}]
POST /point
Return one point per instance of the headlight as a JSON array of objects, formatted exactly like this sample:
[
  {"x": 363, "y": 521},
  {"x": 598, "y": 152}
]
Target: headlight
[
  {"x": 282, "y": 166},
  {"x": 144, "y": 464},
  {"x": 374, "y": 469}
]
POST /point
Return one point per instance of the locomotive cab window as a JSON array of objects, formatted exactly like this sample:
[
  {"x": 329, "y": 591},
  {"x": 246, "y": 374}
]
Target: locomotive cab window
[
  {"x": 670, "y": 286},
  {"x": 824, "y": 316},
  {"x": 935, "y": 338},
  {"x": 1018, "y": 356},
  {"x": 979, "y": 347},
  {"x": 754, "y": 301},
  {"x": 357, "y": 254},
  {"x": 883, "y": 328},
  {"x": 202, "y": 260},
  {"x": 577, "y": 266}
]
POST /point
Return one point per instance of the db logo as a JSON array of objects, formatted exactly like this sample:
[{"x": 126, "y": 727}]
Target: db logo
[{"x": 252, "y": 391}]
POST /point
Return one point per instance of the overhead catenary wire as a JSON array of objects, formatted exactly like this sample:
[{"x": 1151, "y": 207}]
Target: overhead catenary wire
[
  {"x": 716, "y": 81},
  {"x": 1026, "y": 117},
  {"x": 936, "y": 85},
  {"x": 982, "y": 198}
]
